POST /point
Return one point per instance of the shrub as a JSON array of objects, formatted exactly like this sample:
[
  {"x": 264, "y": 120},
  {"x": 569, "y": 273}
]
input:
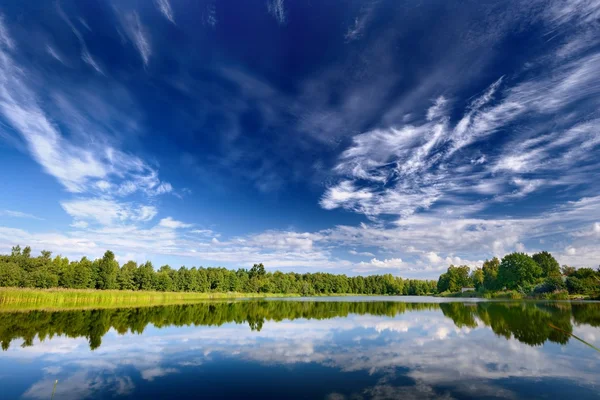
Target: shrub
[
  {"x": 550, "y": 284},
  {"x": 582, "y": 285}
]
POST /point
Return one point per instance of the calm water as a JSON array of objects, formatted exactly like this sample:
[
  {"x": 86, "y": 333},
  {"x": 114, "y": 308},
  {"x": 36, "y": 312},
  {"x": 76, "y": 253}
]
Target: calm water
[{"x": 344, "y": 349}]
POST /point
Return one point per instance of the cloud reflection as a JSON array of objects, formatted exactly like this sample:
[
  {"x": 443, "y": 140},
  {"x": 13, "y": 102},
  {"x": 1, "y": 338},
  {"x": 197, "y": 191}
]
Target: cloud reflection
[{"x": 446, "y": 351}]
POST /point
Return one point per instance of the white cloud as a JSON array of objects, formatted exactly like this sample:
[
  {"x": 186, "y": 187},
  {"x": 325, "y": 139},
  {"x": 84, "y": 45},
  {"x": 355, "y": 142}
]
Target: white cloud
[
  {"x": 438, "y": 109},
  {"x": 137, "y": 33},
  {"x": 205, "y": 232},
  {"x": 107, "y": 211},
  {"x": 432, "y": 257},
  {"x": 5, "y": 39},
  {"x": 165, "y": 8},
  {"x": 376, "y": 265},
  {"x": 361, "y": 253},
  {"x": 357, "y": 29},
  {"x": 17, "y": 214},
  {"x": 157, "y": 372},
  {"x": 86, "y": 56},
  {"x": 55, "y": 54},
  {"x": 408, "y": 168},
  {"x": 77, "y": 167},
  {"x": 343, "y": 193},
  {"x": 277, "y": 9},
  {"x": 173, "y": 224}
]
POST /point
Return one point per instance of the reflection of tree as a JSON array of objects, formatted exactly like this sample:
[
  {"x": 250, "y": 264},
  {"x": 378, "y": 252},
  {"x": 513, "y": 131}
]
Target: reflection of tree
[
  {"x": 94, "y": 324},
  {"x": 461, "y": 314},
  {"x": 526, "y": 322},
  {"x": 586, "y": 313}
]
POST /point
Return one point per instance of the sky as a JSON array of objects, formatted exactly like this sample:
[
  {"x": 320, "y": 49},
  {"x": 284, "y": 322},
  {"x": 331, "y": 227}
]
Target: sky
[{"x": 356, "y": 137}]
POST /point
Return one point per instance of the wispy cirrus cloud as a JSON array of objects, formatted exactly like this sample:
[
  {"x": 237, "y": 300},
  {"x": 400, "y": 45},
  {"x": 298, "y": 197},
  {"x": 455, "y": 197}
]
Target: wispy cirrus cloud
[
  {"x": 82, "y": 161},
  {"x": 137, "y": 33},
  {"x": 86, "y": 56},
  {"x": 415, "y": 166},
  {"x": 277, "y": 9},
  {"x": 357, "y": 29},
  {"x": 18, "y": 214},
  {"x": 165, "y": 9}
]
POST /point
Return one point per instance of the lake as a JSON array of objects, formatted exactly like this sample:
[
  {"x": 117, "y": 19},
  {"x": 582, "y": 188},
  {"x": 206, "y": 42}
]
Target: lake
[{"x": 325, "y": 348}]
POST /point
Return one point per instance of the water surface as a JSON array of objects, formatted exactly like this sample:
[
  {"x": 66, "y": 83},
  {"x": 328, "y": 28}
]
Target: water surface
[{"x": 345, "y": 348}]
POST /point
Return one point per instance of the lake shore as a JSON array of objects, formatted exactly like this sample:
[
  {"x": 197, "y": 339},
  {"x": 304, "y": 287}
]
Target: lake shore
[
  {"x": 27, "y": 299},
  {"x": 12, "y": 299},
  {"x": 514, "y": 295}
]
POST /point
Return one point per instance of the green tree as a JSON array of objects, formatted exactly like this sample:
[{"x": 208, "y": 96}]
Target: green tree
[
  {"x": 144, "y": 276},
  {"x": 257, "y": 270},
  {"x": 490, "y": 274},
  {"x": 15, "y": 251},
  {"x": 547, "y": 263},
  {"x": 108, "y": 268},
  {"x": 82, "y": 274},
  {"x": 163, "y": 281},
  {"x": 125, "y": 277},
  {"x": 10, "y": 274},
  {"x": 567, "y": 271},
  {"x": 517, "y": 270},
  {"x": 477, "y": 278},
  {"x": 43, "y": 278},
  {"x": 454, "y": 279}
]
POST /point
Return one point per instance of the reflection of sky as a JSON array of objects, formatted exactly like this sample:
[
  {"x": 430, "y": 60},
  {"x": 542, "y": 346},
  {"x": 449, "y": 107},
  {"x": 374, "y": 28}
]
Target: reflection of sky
[{"x": 413, "y": 355}]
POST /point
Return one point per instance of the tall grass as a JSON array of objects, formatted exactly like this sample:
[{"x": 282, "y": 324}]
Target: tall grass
[{"x": 16, "y": 298}]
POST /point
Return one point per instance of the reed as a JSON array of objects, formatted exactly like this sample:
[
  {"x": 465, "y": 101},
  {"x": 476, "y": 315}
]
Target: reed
[{"x": 11, "y": 298}]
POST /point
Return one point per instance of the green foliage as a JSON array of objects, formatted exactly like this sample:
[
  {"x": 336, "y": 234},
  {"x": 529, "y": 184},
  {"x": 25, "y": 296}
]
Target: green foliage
[
  {"x": 125, "y": 276},
  {"x": 163, "y": 282},
  {"x": 547, "y": 263},
  {"x": 83, "y": 274},
  {"x": 105, "y": 274},
  {"x": 490, "y": 274},
  {"x": 43, "y": 278},
  {"x": 517, "y": 270},
  {"x": 257, "y": 271},
  {"x": 10, "y": 274},
  {"x": 108, "y": 268},
  {"x": 477, "y": 278},
  {"x": 567, "y": 271},
  {"x": 144, "y": 276},
  {"x": 552, "y": 283},
  {"x": 454, "y": 279}
]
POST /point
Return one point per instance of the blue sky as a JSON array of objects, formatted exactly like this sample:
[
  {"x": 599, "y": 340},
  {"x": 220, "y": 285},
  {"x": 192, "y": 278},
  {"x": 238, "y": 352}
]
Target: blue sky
[{"x": 357, "y": 137}]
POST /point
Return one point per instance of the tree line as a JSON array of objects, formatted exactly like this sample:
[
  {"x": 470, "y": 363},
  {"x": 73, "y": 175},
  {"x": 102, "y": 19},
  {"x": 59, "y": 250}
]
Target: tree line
[
  {"x": 536, "y": 274},
  {"x": 21, "y": 269}
]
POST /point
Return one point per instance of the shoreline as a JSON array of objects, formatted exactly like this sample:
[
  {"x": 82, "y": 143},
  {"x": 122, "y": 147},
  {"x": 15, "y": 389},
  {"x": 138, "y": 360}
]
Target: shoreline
[{"x": 26, "y": 299}]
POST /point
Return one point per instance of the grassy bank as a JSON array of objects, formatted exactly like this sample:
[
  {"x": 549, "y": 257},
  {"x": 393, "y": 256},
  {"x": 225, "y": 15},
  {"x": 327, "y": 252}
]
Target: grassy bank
[
  {"x": 15, "y": 298},
  {"x": 515, "y": 295}
]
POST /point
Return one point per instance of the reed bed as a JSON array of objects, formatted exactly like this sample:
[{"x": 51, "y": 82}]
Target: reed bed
[{"x": 11, "y": 298}]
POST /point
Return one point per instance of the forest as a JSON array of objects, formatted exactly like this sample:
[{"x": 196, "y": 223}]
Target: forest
[
  {"x": 20, "y": 269},
  {"x": 519, "y": 273},
  {"x": 536, "y": 276}
]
